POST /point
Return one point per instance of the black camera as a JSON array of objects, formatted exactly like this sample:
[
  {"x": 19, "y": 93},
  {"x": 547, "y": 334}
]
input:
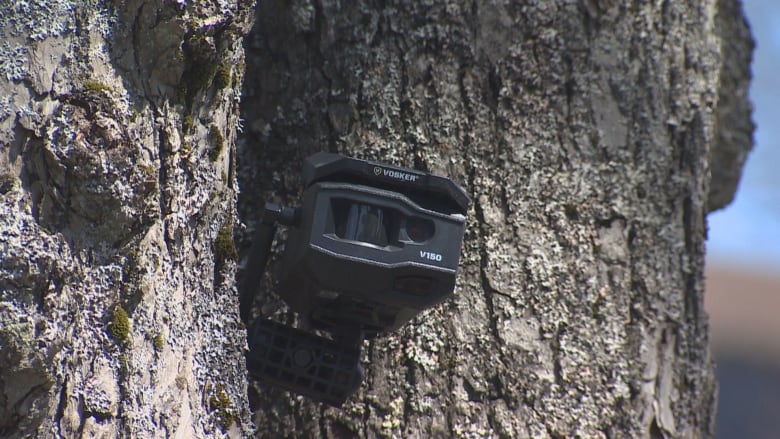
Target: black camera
[{"x": 370, "y": 247}]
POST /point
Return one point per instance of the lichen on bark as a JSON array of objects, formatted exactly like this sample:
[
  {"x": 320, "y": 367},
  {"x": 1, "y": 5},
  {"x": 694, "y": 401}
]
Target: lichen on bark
[{"x": 102, "y": 212}]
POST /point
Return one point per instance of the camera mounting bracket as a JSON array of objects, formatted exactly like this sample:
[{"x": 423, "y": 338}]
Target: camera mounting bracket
[
  {"x": 324, "y": 369},
  {"x": 273, "y": 214}
]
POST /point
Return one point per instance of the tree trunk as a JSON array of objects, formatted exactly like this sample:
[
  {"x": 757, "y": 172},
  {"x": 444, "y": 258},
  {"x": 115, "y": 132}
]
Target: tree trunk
[
  {"x": 118, "y": 311},
  {"x": 584, "y": 132}
]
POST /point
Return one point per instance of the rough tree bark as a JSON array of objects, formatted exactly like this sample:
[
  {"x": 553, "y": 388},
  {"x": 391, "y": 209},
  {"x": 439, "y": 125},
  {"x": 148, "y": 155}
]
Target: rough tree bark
[
  {"x": 585, "y": 132},
  {"x": 118, "y": 309}
]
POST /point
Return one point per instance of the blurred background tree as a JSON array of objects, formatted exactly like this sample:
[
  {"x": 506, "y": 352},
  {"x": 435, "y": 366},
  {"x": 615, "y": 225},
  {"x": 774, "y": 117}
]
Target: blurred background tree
[{"x": 743, "y": 258}]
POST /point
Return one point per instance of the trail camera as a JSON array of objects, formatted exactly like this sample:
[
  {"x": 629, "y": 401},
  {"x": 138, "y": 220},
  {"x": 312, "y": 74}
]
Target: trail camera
[{"x": 370, "y": 247}]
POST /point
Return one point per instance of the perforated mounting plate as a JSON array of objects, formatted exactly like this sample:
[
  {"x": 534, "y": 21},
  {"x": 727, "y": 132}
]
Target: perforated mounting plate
[{"x": 305, "y": 363}]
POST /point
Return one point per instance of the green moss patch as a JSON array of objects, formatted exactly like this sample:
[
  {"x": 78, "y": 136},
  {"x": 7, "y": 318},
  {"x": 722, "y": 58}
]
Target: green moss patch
[
  {"x": 223, "y": 408},
  {"x": 186, "y": 124},
  {"x": 96, "y": 87},
  {"x": 219, "y": 142},
  {"x": 120, "y": 326},
  {"x": 222, "y": 77},
  {"x": 224, "y": 246},
  {"x": 159, "y": 342}
]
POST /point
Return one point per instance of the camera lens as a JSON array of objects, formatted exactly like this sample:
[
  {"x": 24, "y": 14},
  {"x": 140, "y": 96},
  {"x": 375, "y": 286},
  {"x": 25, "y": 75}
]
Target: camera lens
[
  {"x": 362, "y": 222},
  {"x": 419, "y": 229}
]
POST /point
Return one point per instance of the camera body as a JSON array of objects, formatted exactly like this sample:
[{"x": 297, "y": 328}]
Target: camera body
[
  {"x": 374, "y": 245},
  {"x": 370, "y": 247}
]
